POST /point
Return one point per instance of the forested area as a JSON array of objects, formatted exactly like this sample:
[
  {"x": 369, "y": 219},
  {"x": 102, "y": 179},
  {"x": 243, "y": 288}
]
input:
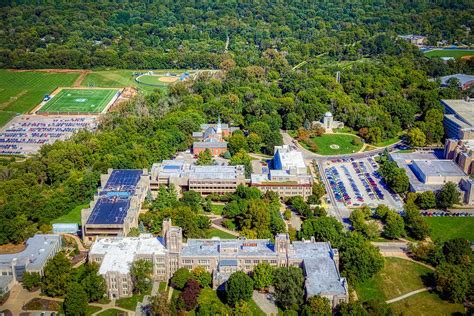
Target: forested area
[
  {"x": 183, "y": 34},
  {"x": 384, "y": 87}
]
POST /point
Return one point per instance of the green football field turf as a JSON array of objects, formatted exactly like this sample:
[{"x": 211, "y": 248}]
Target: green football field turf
[{"x": 79, "y": 101}]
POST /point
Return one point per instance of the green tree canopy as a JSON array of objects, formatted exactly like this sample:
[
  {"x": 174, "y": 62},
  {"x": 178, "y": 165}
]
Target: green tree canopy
[{"x": 238, "y": 288}]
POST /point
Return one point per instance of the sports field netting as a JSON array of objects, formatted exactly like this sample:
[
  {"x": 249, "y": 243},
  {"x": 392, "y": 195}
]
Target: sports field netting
[{"x": 79, "y": 101}]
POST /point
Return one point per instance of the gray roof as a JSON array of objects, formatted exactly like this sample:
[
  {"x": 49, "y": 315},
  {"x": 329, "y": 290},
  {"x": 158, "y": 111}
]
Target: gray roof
[
  {"x": 463, "y": 79},
  {"x": 322, "y": 275},
  {"x": 216, "y": 172},
  {"x": 37, "y": 251},
  {"x": 438, "y": 168},
  {"x": 5, "y": 281},
  {"x": 217, "y": 246},
  {"x": 210, "y": 144},
  {"x": 228, "y": 263},
  {"x": 462, "y": 109}
]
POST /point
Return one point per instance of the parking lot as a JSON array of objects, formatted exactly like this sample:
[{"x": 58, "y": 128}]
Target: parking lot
[{"x": 356, "y": 183}]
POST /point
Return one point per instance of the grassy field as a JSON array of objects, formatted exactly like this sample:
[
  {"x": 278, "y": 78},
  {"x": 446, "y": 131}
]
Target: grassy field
[
  {"x": 92, "y": 309},
  {"x": 388, "y": 142},
  {"x": 456, "y": 53},
  {"x": 79, "y": 101},
  {"x": 118, "y": 79},
  {"x": 445, "y": 228},
  {"x": 343, "y": 141},
  {"x": 217, "y": 209},
  {"x": 22, "y": 91},
  {"x": 256, "y": 311},
  {"x": 110, "y": 312},
  {"x": 74, "y": 216},
  {"x": 425, "y": 304},
  {"x": 213, "y": 232},
  {"x": 398, "y": 277},
  {"x": 129, "y": 303}
]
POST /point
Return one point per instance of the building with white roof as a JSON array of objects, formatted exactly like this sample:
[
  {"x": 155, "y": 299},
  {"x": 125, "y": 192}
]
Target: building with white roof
[
  {"x": 206, "y": 180},
  {"x": 115, "y": 255},
  {"x": 459, "y": 118},
  {"x": 464, "y": 81},
  {"x": 288, "y": 176},
  {"x": 220, "y": 257},
  {"x": 414, "y": 39}
]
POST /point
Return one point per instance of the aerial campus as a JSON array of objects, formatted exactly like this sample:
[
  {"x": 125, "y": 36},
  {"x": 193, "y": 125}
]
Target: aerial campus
[{"x": 263, "y": 158}]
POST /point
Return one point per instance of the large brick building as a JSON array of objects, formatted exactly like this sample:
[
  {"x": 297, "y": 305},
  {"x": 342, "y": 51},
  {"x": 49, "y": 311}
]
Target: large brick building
[
  {"x": 320, "y": 263},
  {"x": 212, "y": 137}
]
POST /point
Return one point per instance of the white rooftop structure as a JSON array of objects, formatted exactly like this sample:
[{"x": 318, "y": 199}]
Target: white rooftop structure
[
  {"x": 463, "y": 79},
  {"x": 119, "y": 252},
  {"x": 289, "y": 159}
]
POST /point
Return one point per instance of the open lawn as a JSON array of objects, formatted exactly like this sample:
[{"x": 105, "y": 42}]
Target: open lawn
[
  {"x": 256, "y": 311},
  {"x": 110, "y": 312},
  {"x": 129, "y": 303},
  {"x": 342, "y": 144},
  {"x": 21, "y": 91},
  {"x": 79, "y": 101},
  {"x": 425, "y": 304},
  {"x": 92, "y": 309},
  {"x": 398, "y": 277},
  {"x": 120, "y": 78},
  {"x": 74, "y": 216},
  {"x": 456, "y": 53},
  {"x": 445, "y": 228},
  {"x": 213, "y": 232},
  {"x": 217, "y": 209},
  {"x": 388, "y": 142}
]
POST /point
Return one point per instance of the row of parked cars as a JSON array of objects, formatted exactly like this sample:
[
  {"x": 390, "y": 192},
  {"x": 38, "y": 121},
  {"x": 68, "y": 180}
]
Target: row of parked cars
[
  {"x": 337, "y": 186},
  {"x": 443, "y": 213}
]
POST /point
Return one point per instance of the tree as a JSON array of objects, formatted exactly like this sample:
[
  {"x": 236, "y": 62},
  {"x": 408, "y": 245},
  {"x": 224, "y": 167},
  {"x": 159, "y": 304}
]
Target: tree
[
  {"x": 288, "y": 283},
  {"x": 93, "y": 283},
  {"x": 323, "y": 229},
  {"x": 204, "y": 158},
  {"x": 299, "y": 205},
  {"x": 394, "y": 226},
  {"x": 55, "y": 275},
  {"x": 190, "y": 294},
  {"x": 31, "y": 280},
  {"x": 180, "y": 278},
  {"x": 360, "y": 260},
  {"x": 75, "y": 301},
  {"x": 262, "y": 276},
  {"x": 238, "y": 288},
  {"x": 426, "y": 200},
  {"x": 237, "y": 142},
  {"x": 458, "y": 251},
  {"x": 193, "y": 199},
  {"x": 242, "y": 158},
  {"x": 317, "y": 305},
  {"x": 242, "y": 309},
  {"x": 141, "y": 273},
  {"x": 448, "y": 195},
  {"x": 415, "y": 224},
  {"x": 416, "y": 137},
  {"x": 160, "y": 305},
  {"x": 351, "y": 309},
  {"x": 134, "y": 232},
  {"x": 454, "y": 282},
  {"x": 202, "y": 276},
  {"x": 210, "y": 304}
]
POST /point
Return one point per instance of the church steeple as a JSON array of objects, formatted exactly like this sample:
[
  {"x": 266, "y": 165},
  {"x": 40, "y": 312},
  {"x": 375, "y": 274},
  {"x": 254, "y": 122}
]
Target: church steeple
[{"x": 219, "y": 126}]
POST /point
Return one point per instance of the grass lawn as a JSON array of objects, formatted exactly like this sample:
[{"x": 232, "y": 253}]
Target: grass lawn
[
  {"x": 74, "y": 216},
  {"x": 92, "y": 309},
  {"x": 129, "y": 303},
  {"x": 345, "y": 129},
  {"x": 79, "y": 101},
  {"x": 398, "y": 277},
  {"x": 110, "y": 312},
  {"x": 256, "y": 311},
  {"x": 217, "y": 209},
  {"x": 445, "y": 228},
  {"x": 120, "y": 78},
  {"x": 343, "y": 141},
  {"x": 162, "y": 287},
  {"x": 388, "y": 142},
  {"x": 214, "y": 232},
  {"x": 22, "y": 91},
  {"x": 425, "y": 303},
  {"x": 456, "y": 53}
]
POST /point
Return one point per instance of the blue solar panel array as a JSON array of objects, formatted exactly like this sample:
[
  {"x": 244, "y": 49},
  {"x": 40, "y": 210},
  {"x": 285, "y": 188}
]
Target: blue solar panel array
[{"x": 114, "y": 200}]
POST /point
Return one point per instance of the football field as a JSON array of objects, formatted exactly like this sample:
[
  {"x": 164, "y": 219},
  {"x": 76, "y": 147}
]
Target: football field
[{"x": 79, "y": 101}]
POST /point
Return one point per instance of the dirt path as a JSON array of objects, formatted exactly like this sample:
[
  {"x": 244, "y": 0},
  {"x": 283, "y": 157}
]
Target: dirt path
[
  {"x": 404, "y": 296},
  {"x": 81, "y": 77}
]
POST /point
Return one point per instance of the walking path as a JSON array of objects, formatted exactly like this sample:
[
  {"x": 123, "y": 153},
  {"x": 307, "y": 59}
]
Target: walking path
[
  {"x": 80, "y": 246},
  {"x": 81, "y": 77},
  {"x": 404, "y": 296}
]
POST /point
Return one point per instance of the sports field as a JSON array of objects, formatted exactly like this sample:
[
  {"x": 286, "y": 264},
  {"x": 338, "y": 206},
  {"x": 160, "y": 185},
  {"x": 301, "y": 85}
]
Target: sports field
[
  {"x": 456, "y": 53},
  {"x": 79, "y": 101},
  {"x": 21, "y": 91}
]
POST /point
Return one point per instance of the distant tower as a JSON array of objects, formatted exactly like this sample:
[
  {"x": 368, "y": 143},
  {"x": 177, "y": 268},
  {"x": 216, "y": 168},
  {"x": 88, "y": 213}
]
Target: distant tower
[
  {"x": 282, "y": 243},
  {"x": 328, "y": 120},
  {"x": 173, "y": 236},
  {"x": 219, "y": 126}
]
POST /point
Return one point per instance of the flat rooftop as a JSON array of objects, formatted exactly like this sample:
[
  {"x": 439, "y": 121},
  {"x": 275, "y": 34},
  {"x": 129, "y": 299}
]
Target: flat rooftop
[
  {"x": 114, "y": 199},
  {"x": 37, "y": 251},
  {"x": 215, "y": 172},
  {"x": 463, "y": 79},
  {"x": 439, "y": 168},
  {"x": 119, "y": 252},
  {"x": 218, "y": 247},
  {"x": 461, "y": 108}
]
